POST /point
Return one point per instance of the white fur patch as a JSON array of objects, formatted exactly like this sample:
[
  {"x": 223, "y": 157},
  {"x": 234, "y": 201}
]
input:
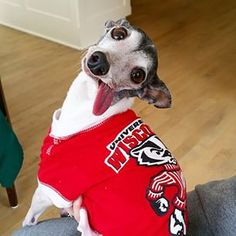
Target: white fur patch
[{"x": 76, "y": 113}]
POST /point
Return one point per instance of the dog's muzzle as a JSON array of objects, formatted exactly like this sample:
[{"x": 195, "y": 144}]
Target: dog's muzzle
[{"x": 98, "y": 63}]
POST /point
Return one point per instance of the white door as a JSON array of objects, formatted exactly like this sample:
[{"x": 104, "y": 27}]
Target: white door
[{"x": 76, "y": 23}]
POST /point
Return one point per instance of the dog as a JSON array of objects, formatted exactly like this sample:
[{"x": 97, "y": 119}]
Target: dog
[{"x": 99, "y": 160}]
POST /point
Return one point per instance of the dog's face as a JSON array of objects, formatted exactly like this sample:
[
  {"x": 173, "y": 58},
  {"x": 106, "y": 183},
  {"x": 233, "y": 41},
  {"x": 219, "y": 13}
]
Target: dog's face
[{"x": 124, "y": 63}]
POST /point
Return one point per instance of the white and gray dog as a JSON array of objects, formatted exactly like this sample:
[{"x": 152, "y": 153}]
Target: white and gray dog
[{"x": 100, "y": 161}]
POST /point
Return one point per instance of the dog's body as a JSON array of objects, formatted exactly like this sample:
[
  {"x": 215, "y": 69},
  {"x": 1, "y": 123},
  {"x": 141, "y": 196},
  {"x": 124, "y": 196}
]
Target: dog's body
[{"x": 99, "y": 149}]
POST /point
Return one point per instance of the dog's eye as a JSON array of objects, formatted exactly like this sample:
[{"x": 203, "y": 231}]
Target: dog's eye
[
  {"x": 138, "y": 75},
  {"x": 119, "y": 33}
]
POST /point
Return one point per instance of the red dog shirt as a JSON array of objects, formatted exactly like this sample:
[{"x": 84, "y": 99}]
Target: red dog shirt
[{"x": 130, "y": 182}]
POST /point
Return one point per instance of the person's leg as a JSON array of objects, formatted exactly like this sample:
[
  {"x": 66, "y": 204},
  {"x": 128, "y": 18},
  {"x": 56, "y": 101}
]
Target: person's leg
[
  {"x": 65, "y": 226},
  {"x": 212, "y": 209},
  {"x": 197, "y": 222}
]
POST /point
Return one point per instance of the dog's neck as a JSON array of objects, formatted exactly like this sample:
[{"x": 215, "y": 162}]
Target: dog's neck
[{"x": 76, "y": 113}]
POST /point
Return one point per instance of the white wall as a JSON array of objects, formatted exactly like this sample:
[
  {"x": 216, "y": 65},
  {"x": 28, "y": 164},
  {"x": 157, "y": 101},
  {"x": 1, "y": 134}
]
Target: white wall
[{"x": 76, "y": 23}]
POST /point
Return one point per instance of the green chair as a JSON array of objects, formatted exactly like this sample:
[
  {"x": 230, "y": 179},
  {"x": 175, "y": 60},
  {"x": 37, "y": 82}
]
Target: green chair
[{"x": 11, "y": 153}]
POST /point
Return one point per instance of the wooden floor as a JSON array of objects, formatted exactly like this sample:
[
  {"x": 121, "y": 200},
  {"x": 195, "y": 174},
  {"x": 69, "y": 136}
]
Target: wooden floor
[{"x": 197, "y": 51}]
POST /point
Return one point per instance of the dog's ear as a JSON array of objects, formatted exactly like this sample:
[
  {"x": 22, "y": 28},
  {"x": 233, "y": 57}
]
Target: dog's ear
[
  {"x": 109, "y": 24},
  {"x": 156, "y": 93},
  {"x": 121, "y": 22}
]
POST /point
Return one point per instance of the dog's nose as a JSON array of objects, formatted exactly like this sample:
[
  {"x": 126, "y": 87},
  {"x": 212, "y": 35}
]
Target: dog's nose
[{"x": 98, "y": 63}]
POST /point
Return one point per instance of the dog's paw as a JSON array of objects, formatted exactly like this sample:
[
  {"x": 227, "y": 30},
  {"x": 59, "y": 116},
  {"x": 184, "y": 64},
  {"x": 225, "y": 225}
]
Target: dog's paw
[{"x": 29, "y": 220}]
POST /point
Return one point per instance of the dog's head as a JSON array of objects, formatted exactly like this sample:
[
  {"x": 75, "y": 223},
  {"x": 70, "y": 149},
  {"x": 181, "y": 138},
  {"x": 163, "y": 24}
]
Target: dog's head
[{"x": 124, "y": 63}]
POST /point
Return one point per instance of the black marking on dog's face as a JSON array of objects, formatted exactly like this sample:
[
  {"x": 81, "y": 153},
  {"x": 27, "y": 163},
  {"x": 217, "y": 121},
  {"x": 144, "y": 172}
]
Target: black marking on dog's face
[{"x": 128, "y": 54}]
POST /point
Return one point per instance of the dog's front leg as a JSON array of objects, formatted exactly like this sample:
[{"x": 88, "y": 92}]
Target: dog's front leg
[{"x": 40, "y": 203}]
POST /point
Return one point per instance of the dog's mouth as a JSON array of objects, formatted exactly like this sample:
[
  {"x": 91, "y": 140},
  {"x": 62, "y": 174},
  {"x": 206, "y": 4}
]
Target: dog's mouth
[
  {"x": 104, "y": 96},
  {"x": 103, "y": 99}
]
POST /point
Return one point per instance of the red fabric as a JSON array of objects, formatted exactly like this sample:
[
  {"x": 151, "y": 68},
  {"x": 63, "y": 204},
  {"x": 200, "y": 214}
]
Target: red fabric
[{"x": 118, "y": 188}]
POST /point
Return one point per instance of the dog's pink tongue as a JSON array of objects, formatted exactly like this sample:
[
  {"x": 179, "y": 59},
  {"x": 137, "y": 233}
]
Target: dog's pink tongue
[{"x": 103, "y": 99}]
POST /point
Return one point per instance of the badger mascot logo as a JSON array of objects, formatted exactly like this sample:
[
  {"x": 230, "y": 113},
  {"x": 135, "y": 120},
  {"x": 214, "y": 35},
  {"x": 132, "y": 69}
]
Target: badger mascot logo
[{"x": 153, "y": 152}]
